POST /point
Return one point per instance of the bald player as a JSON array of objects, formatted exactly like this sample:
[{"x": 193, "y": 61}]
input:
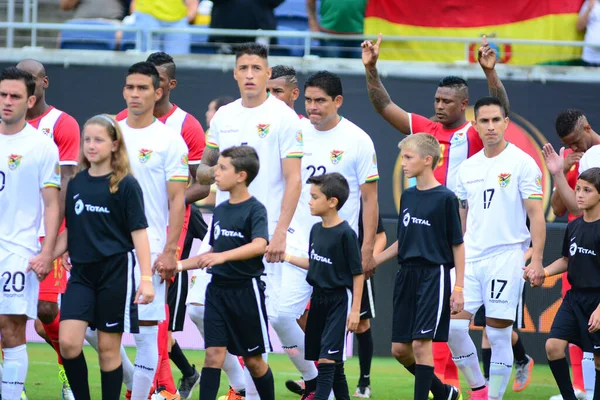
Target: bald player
[
  {"x": 284, "y": 85},
  {"x": 64, "y": 131}
]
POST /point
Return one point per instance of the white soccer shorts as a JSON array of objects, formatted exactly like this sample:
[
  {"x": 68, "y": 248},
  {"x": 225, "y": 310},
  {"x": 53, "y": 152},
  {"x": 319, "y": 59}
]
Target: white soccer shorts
[
  {"x": 19, "y": 290},
  {"x": 154, "y": 311},
  {"x": 199, "y": 278}
]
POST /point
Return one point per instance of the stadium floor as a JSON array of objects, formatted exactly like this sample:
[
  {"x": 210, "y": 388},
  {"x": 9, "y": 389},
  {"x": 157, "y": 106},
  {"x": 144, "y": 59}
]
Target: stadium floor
[{"x": 389, "y": 380}]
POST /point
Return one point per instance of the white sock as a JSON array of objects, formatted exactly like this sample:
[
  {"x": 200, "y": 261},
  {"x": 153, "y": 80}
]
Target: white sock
[
  {"x": 464, "y": 353},
  {"x": 92, "y": 338},
  {"x": 292, "y": 341},
  {"x": 15, "y": 372},
  {"x": 231, "y": 366},
  {"x": 589, "y": 374},
  {"x": 128, "y": 369},
  {"x": 502, "y": 360},
  {"x": 146, "y": 361}
]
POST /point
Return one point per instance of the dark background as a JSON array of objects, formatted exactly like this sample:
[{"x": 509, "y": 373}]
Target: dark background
[{"x": 84, "y": 91}]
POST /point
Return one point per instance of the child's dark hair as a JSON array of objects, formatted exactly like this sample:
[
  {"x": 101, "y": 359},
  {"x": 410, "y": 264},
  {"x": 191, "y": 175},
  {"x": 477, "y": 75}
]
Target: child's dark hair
[
  {"x": 332, "y": 185},
  {"x": 592, "y": 176},
  {"x": 243, "y": 158}
]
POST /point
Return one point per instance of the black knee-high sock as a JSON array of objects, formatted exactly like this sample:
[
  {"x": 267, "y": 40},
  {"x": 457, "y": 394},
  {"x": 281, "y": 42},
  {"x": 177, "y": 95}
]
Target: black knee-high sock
[
  {"x": 77, "y": 373},
  {"x": 324, "y": 380},
  {"x": 486, "y": 357},
  {"x": 179, "y": 359},
  {"x": 265, "y": 385},
  {"x": 519, "y": 352},
  {"x": 210, "y": 379},
  {"x": 423, "y": 379},
  {"x": 365, "y": 356},
  {"x": 340, "y": 384},
  {"x": 560, "y": 370},
  {"x": 111, "y": 383},
  {"x": 438, "y": 388}
]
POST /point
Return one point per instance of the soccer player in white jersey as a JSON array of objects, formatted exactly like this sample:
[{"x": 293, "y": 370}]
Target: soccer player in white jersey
[
  {"x": 29, "y": 177},
  {"x": 498, "y": 188},
  {"x": 332, "y": 144},
  {"x": 159, "y": 161},
  {"x": 260, "y": 120}
]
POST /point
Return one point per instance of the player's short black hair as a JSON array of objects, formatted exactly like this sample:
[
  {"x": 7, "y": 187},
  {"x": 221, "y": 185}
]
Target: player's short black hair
[
  {"x": 243, "y": 158},
  {"x": 15, "y": 74},
  {"x": 286, "y": 72},
  {"x": 148, "y": 69},
  {"x": 329, "y": 82},
  {"x": 592, "y": 176},
  {"x": 456, "y": 83},
  {"x": 221, "y": 101},
  {"x": 332, "y": 185},
  {"x": 567, "y": 121},
  {"x": 251, "y": 49},
  {"x": 489, "y": 101},
  {"x": 162, "y": 59}
]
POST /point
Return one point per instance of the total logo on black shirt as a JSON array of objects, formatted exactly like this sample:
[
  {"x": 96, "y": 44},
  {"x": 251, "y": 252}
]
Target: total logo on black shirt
[
  {"x": 80, "y": 205},
  {"x": 407, "y": 219},
  {"x": 225, "y": 233}
]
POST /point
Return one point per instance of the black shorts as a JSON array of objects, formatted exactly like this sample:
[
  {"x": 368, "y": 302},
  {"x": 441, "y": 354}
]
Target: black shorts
[
  {"x": 367, "y": 303},
  {"x": 421, "y": 303},
  {"x": 571, "y": 320},
  {"x": 326, "y": 324},
  {"x": 519, "y": 323},
  {"x": 177, "y": 293},
  {"x": 235, "y": 317},
  {"x": 103, "y": 294}
]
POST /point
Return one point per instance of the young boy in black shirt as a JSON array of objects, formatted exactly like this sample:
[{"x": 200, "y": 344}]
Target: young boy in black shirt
[
  {"x": 335, "y": 273},
  {"x": 429, "y": 244},
  {"x": 578, "y": 318},
  {"x": 235, "y": 317}
]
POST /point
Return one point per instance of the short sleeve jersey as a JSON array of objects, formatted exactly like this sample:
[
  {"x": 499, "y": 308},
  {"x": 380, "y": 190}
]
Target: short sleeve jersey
[
  {"x": 581, "y": 245},
  {"x": 495, "y": 189},
  {"x": 334, "y": 257},
  {"x": 590, "y": 159},
  {"x": 100, "y": 222},
  {"x": 28, "y": 164},
  {"x": 189, "y": 128},
  {"x": 345, "y": 149},
  {"x": 428, "y": 226},
  {"x": 456, "y": 145},
  {"x": 233, "y": 226},
  {"x": 157, "y": 155},
  {"x": 273, "y": 130}
]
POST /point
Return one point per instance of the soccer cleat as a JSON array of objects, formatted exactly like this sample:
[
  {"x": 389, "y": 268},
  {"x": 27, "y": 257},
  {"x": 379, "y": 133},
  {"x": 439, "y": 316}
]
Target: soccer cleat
[
  {"x": 454, "y": 393},
  {"x": 128, "y": 395},
  {"x": 24, "y": 394},
  {"x": 523, "y": 375},
  {"x": 362, "y": 392},
  {"x": 308, "y": 396},
  {"x": 188, "y": 384},
  {"x": 163, "y": 394},
  {"x": 430, "y": 396},
  {"x": 579, "y": 394},
  {"x": 233, "y": 395},
  {"x": 295, "y": 386},
  {"x": 481, "y": 394},
  {"x": 67, "y": 393}
]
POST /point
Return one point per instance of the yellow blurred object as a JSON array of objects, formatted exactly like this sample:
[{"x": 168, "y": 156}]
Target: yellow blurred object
[{"x": 202, "y": 20}]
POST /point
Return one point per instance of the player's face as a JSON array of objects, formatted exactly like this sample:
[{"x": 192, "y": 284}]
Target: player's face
[
  {"x": 14, "y": 101},
  {"x": 586, "y": 195},
  {"x": 97, "y": 144},
  {"x": 283, "y": 91},
  {"x": 251, "y": 73},
  {"x": 139, "y": 93},
  {"x": 166, "y": 84},
  {"x": 491, "y": 124},
  {"x": 225, "y": 176},
  {"x": 322, "y": 109},
  {"x": 579, "y": 140},
  {"x": 210, "y": 112},
  {"x": 318, "y": 203},
  {"x": 413, "y": 164},
  {"x": 449, "y": 105}
]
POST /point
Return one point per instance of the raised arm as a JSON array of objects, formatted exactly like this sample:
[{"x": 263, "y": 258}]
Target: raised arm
[
  {"x": 487, "y": 60},
  {"x": 379, "y": 97},
  {"x": 555, "y": 164}
]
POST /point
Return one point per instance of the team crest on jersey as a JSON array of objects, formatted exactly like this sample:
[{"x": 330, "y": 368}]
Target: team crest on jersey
[
  {"x": 193, "y": 281},
  {"x": 46, "y": 131},
  {"x": 263, "y": 130},
  {"x": 144, "y": 155},
  {"x": 538, "y": 182},
  {"x": 374, "y": 158},
  {"x": 336, "y": 156},
  {"x": 299, "y": 137},
  {"x": 458, "y": 137},
  {"x": 14, "y": 160},
  {"x": 184, "y": 160},
  {"x": 503, "y": 180}
]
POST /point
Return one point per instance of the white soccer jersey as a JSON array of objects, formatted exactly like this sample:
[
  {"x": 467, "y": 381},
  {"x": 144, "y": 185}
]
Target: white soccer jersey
[
  {"x": 495, "y": 189},
  {"x": 345, "y": 149},
  {"x": 590, "y": 159},
  {"x": 157, "y": 155},
  {"x": 28, "y": 163},
  {"x": 273, "y": 129}
]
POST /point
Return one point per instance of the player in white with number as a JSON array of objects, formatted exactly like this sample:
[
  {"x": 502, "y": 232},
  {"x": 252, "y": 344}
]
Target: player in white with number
[
  {"x": 498, "y": 188},
  {"x": 29, "y": 177},
  {"x": 159, "y": 161},
  {"x": 331, "y": 144}
]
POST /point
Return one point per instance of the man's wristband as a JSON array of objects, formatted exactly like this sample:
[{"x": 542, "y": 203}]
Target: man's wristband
[
  {"x": 147, "y": 278},
  {"x": 287, "y": 257},
  {"x": 179, "y": 266},
  {"x": 458, "y": 289}
]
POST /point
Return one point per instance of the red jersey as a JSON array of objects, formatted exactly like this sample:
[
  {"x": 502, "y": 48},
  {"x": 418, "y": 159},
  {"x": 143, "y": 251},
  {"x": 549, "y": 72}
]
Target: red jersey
[
  {"x": 189, "y": 127},
  {"x": 456, "y": 145},
  {"x": 64, "y": 130}
]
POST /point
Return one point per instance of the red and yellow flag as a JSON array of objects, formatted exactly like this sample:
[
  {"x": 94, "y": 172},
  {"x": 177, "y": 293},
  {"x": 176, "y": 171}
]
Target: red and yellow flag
[{"x": 508, "y": 19}]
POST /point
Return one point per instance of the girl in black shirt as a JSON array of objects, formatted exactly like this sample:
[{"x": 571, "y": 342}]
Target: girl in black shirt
[{"x": 105, "y": 221}]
